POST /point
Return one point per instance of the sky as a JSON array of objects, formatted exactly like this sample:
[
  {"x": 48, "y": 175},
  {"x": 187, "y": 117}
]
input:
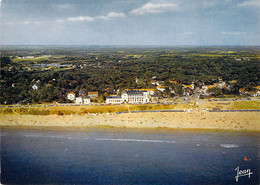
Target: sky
[{"x": 130, "y": 22}]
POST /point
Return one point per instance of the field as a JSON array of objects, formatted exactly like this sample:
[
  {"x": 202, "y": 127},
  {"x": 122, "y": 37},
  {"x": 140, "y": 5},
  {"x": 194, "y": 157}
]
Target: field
[{"x": 100, "y": 109}]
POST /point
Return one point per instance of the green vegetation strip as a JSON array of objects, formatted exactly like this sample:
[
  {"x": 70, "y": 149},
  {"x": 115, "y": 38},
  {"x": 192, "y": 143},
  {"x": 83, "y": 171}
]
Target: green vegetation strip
[{"x": 80, "y": 110}]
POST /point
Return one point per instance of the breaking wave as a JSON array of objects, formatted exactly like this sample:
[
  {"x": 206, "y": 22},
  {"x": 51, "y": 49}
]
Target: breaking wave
[
  {"x": 229, "y": 145},
  {"x": 134, "y": 140}
]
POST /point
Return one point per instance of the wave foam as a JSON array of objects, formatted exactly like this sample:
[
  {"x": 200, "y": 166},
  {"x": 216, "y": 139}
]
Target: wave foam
[
  {"x": 229, "y": 145},
  {"x": 134, "y": 140}
]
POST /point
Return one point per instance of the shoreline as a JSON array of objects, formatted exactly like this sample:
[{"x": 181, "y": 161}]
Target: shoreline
[
  {"x": 112, "y": 129},
  {"x": 195, "y": 120}
]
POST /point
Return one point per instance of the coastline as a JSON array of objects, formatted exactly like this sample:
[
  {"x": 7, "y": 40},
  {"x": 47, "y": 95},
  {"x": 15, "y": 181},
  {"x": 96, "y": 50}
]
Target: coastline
[{"x": 194, "y": 120}]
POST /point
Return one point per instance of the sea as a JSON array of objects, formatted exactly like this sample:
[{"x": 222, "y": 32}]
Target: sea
[{"x": 129, "y": 157}]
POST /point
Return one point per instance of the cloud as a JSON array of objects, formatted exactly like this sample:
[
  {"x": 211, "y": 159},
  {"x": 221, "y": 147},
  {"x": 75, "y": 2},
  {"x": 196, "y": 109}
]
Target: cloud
[
  {"x": 187, "y": 33},
  {"x": 59, "y": 21},
  {"x": 155, "y": 8},
  {"x": 111, "y": 15},
  {"x": 25, "y": 22},
  {"x": 64, "y": 6},
  {"x": 28, "y": 22},
  {"x": 81, "y": 18},
  {"x": 250, "y": 3},
  {"x": 233, "y": 33}
]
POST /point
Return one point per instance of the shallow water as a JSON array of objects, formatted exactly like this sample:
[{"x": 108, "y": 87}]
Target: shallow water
[{"x": 178, "y": 157}]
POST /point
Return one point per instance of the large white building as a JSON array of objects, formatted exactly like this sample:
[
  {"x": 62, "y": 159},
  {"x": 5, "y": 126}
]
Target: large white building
[
  {"x": 114, "y": 100},
  {"x": 133, "y": 96}
]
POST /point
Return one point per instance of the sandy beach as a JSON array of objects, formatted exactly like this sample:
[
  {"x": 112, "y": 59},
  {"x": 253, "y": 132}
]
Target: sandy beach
[{"x": 237, "y": 121}]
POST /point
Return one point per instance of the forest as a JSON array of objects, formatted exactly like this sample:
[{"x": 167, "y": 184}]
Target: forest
[{"x": 108, "y": 69}]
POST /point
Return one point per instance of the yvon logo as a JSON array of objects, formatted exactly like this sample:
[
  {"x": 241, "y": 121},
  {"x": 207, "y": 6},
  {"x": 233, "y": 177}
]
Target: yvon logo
[{"x": 241, "y": 173}]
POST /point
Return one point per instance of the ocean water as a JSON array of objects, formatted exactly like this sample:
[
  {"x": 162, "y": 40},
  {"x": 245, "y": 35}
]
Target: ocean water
[{"x": 177, "y": 157}]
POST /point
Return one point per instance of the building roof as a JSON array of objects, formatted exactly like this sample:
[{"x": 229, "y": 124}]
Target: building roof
[
  {"x": 173, "y": 82},
  {"x": 92, "y": 92},
  {"x": 208, "y": 86},
  {"x": 257, "y": 87},
  {"x": 242, "y": 90},
  {"x": 143, "y": 89},
  {"x": 131, "y": 92},
  {"x": 82, "y": 92},
  {"x": 232, "y": 81},
  {"x": 253, "y": 92},
  {"x": 187, "y": 86},
  {"x": 114, "y": 97}
]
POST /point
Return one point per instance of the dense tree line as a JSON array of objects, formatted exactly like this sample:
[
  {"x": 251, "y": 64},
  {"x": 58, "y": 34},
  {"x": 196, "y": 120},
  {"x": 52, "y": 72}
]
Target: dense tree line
[{"x": 16, "y": 85}]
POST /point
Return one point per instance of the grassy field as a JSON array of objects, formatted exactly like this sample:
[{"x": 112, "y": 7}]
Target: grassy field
[
  {"x": 79, "y": 110},
  {"x": 100, "y": 109},
  {"x": 37, "y": 59},
  {"x": 246, "y": 105}
]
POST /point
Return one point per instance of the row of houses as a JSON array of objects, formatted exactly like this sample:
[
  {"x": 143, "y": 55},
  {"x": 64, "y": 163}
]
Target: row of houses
[
  {"x": 143, "y": 95},
  {"x": 83, "y": 98},
  {"x": 127, "y": 96},
  {"x": 254, "y": 93}
]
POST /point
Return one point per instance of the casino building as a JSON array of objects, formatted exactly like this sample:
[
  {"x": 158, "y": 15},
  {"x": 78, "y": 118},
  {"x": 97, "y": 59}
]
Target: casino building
[{"x": 134, "y": 96}]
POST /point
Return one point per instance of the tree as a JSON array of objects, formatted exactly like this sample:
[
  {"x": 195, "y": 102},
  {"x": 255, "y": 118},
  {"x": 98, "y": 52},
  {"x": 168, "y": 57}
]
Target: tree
[
  {"x": 101, "y": 99},
  {"x": 4, "y": 61},
  {"x": 216, "y": 91}
]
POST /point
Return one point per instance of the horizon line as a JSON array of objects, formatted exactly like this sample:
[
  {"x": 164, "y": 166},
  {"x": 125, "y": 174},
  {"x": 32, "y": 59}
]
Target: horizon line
[{"x": 129, "y": 45}]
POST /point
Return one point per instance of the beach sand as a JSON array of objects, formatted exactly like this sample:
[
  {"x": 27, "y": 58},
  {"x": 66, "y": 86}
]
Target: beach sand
[{"x": 237, "y": 121}]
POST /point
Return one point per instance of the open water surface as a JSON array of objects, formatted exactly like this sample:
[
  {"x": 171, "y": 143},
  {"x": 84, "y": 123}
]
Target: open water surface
[{"x": 177, "y": 157}]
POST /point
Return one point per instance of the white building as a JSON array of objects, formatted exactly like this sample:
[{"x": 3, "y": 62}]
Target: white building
[
  {"x": 46, "y": 56},
  {"x": 29, "y": 57},
  {"x": 71, "y": 96},
  {"x": 133, "y": 96},
  {"x": 149, "y": 91},
  {"x": 34, "y": 87},
  {"x": 160, "y": 88},
  {"x": 79, "y": 100},
  {"x": 191, "y": 86},
  {"x": 86, "y": 100},
  {"x": 220, "y": 85},
  {"x": 114, "y": 99},
  {"x": 83, "y": 100}
]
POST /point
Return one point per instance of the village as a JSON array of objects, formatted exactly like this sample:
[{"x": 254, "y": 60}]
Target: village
[
  {"x": 88, "y": 76},
  {"x": 159, "y": 94}
]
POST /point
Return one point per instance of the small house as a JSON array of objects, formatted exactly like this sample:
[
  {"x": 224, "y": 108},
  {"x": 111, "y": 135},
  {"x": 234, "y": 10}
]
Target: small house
[
  {"x": 160, "y": 88},
  {"x": 86, "y": 100},
  {"x": 82, "y": 93},
  {"x": 154, "y": 98},
  {"x": 34, "y": 87},
  {"x": 83, "y": 100},
  {"x": 79, "y": 100},
  {"x": 93, "y": 94},
  {"x": 71, "y": 96}
]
